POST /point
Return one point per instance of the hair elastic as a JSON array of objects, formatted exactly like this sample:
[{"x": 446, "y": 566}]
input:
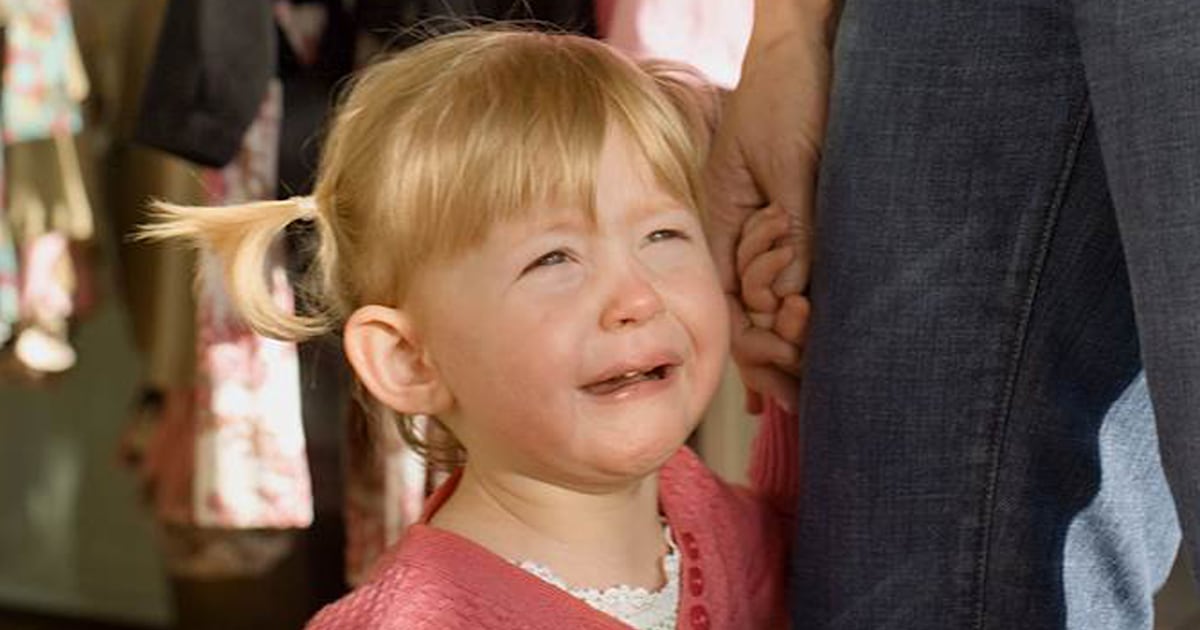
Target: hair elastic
[{"x": 307, "y": 206}]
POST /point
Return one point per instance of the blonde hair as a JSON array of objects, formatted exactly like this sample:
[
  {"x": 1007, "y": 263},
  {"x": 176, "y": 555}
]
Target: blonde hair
[{"x": 436, "y": 144}]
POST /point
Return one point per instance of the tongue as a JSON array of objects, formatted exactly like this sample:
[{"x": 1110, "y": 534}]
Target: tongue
[{"x": 614, "y": 384}]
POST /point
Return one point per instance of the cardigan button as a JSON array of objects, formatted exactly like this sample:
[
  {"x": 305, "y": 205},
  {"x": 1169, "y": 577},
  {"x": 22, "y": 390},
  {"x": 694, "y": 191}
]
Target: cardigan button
[
  {"x": 699, "y": 617},
  {"x": 690, "y": 546},
  {"x": 695, "y": 581}
]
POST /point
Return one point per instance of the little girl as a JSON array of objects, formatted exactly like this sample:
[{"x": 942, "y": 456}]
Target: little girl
[{"x": 510, "y": 239}]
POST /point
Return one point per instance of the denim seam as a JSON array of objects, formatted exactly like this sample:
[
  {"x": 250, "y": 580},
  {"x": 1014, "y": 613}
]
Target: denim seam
[{"x": 1000, "y": 429}]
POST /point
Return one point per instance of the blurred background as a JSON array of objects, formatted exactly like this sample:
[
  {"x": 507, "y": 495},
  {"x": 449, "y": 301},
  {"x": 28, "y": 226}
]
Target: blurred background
[{"x": 160, "y": 465}]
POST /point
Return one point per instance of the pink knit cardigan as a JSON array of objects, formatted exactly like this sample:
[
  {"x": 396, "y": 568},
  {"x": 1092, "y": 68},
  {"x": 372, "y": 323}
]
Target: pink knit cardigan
[{"x": 733, "y": 543}]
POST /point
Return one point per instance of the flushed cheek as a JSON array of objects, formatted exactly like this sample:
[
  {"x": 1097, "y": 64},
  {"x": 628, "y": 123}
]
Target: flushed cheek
[
  {"x": 532, "y": 412},
  {"x": 537, "y": 355},
  {"x": 701, "y": 303},
  {"x": 706, "y": 318}
]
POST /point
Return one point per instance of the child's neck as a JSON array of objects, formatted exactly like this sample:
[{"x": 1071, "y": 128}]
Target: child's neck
[{"x": 588, "y": 539}]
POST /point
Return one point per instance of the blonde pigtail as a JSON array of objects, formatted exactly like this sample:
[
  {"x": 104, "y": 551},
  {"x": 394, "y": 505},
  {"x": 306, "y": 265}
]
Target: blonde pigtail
[{"x": 240, "y": 236}]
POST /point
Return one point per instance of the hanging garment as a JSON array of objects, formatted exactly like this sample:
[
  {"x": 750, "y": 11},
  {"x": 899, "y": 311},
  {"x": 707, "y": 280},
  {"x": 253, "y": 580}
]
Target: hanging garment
[
  {"x": 46, "y": 191},
  {"x": 44, "y": 84},
  {"x": 251, "y": 469},
  {"x": 224, "y": 463},
  {"x": 209, "y": 76},
  {"x": 46, "y": 207},
  {"x": 44, "y": 81},
  {"x": 47, "y": 302},
  {"x": 47, "y": 211},
  {"x": 234, "y": 456},
  {"x": 166, "y": 464},
  {"x": 159, "y": 443}
]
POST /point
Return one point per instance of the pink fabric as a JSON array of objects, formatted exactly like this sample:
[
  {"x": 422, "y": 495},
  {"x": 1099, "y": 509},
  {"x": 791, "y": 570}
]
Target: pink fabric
[
  {"x": 710, "y": 35},
  {"x": 733, "y": 543},
  {"x": 385, "y": 491},
  {"x": 49, "y": 278},
  {"x": 38, "y": 98},
  {"x": 233, "y": 456},
  {"x": 251, "y": 467}
]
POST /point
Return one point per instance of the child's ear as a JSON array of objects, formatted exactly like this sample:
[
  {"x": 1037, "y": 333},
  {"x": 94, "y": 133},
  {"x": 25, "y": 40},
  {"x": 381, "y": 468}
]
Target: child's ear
[{"x": 389, "y": 358}]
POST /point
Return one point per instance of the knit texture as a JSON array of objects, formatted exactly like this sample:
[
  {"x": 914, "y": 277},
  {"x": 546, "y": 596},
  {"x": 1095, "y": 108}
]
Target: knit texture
[{"x": 733, "y": 545}]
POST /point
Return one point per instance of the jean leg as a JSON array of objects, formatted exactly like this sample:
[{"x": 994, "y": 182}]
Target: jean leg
[
  {"x": 1121, "y": 546},
  {"x": 1142, "y": 63},
  {"x": 972, "y": 324}
]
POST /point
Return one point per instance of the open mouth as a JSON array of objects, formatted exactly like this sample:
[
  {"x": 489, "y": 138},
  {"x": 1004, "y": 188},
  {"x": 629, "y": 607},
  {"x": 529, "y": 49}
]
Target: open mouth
[{"x": 628, "y": 379}]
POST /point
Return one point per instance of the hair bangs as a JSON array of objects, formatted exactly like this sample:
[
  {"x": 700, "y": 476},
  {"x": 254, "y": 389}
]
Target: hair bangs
[{"x": 504, "y": 129}]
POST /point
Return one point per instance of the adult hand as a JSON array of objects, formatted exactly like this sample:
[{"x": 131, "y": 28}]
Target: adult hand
[
  {"x": 778, "y": 313},
  {"x": 766, "y": 151}
]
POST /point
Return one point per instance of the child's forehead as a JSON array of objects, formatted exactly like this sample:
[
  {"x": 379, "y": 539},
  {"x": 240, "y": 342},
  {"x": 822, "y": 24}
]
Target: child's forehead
[{"x": 562, "y": 216}]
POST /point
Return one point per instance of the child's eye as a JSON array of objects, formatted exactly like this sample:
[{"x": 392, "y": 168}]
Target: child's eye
[
  {"x": 556, "y": 257},
  {"x": 666, "y": 234}
]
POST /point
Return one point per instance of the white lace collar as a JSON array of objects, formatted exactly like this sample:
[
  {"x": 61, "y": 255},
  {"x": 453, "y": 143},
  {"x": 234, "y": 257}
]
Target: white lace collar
[{"x": 635, "y": 606}]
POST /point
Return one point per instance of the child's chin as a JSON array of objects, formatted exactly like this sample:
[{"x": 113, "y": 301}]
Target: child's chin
[{"x": 634, "y": 460}]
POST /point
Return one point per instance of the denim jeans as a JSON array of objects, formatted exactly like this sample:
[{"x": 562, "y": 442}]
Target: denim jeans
[{"x": 1007, "y": 235}]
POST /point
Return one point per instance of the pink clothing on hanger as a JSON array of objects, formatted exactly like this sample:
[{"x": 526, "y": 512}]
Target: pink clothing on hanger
[
  {"x": 46, "y": 289},
  {"x": 236, "y": 457},
  {"x": 710, "y": 35},
  {"x": 251, "y": 464},
  {"x": 44, "y": 81}
]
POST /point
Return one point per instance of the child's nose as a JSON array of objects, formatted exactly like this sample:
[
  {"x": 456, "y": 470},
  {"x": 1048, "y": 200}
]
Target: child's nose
[{"x": 633, "y": 299}]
